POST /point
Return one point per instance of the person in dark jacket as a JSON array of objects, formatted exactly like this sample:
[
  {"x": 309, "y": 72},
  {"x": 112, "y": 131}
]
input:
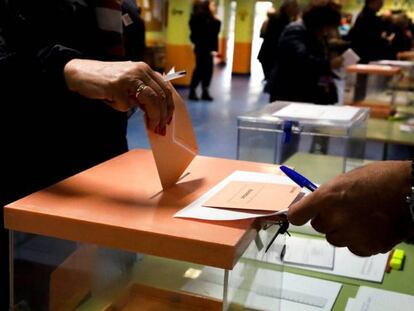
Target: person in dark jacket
[
  {"x": 368, "y": 36},
  {"x": 64, "y": 98},
  {"x": 276, "y": 23},
  {"x": 205, "y": 28},
  {"x": 303, "y": 70},
  {"x": 134, "y": 30}
]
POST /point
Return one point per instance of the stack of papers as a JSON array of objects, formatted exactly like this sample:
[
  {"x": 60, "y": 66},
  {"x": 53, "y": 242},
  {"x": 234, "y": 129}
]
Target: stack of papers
[
  {"x": 344, "y": 262},
  {"x": 247, "y": 195},
  {"x": 297, "y": 111},
  {"x": 309, "y": 252},
  {"x": 265, "y": 289},
  {"x": 232, "y": 200},
  {"x": 372, "y": 299}
]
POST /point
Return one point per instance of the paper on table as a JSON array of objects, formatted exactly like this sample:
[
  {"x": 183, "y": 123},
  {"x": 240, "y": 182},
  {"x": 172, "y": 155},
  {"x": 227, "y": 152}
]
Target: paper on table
[
  {"x": 305, "y": 229},
  {"x": 406, "y": 128},
  {"x": 254, "y": 196},
  {"x": 300, "y": 111},
  {"x": 174, "y": 151},
  {"x": 263, "y": 291},
  {"x": 326, "y": 290},
  {"x": 196, "y": 209},
  {"x": 350, "y": 58},
  {"x": 373, "y": 299},
  {"x": 345, "y": 263},
  {"x": 309, "y": 252},
  {"x": 352, "y": 304}
]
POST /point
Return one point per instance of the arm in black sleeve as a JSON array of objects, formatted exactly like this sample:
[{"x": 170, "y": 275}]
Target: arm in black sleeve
[
  {"x": 46, "y": 34},
  {"x": 293, "y": 43}
]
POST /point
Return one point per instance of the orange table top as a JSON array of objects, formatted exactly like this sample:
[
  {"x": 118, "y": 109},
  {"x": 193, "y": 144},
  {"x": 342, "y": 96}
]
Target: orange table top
[
  {"x": 120, "y": 204},
  {"x": 373, "y": 69}
]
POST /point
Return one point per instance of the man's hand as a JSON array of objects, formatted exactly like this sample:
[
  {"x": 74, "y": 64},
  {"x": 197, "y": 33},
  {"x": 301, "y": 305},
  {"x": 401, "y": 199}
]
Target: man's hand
[
  {"x": 364, "y": 210},
  {"x": 123, "y": 85}
]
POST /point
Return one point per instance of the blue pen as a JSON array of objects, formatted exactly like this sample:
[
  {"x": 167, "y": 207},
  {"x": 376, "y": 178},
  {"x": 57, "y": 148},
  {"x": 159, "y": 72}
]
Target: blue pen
[{"x": 302, "y": 181}]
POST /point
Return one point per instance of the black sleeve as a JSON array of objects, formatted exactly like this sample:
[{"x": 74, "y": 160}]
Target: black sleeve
[
  {"x": 293, "y": 43},
  {"x": 42, "y": 34},
  {"x": 366, "y": 39},
  {"x": 194, "y": 24}
]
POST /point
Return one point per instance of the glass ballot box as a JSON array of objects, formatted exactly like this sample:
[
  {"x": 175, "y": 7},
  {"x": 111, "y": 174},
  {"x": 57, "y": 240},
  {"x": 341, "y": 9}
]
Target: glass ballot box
[
  {"x": 280, "y": 130},
  {"x": 404, "y": 86},
  {"x": 375, "y": 86},
  {"x": 106, "y": 239},
  {"x": 56, "y": 274}
]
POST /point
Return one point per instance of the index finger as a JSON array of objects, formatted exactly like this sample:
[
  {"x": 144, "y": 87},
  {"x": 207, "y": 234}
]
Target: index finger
[
  {"x": 301, "y": 212},
  {"x": 166, "y": 87}
]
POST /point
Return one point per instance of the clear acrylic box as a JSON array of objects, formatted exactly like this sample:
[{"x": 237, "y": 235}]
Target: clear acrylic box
[
  {"x": 378, "y": 86},
  {"x": 266, "y": 137},
  {"x": 106, "y": 239},
  {"x": 56, "y": 274}
]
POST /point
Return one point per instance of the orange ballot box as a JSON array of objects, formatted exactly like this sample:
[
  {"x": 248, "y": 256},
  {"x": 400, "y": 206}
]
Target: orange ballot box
[{"x": 91, "y": 241}]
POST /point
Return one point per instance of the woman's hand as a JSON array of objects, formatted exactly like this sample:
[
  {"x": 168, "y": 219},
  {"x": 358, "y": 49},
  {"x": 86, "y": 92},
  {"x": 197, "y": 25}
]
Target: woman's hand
[
  {"x": 364, "y": 210},
  {"x": 124, "y": 85}
]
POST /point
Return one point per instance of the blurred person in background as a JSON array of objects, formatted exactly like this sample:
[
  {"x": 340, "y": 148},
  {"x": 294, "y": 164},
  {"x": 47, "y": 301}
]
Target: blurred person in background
[
  {"x": 67, "y": 90},
  {"x": 275, "y": 24},
  {"x": 205, "y": 28},
  {"x": 303, "y": 69},
  {"x": 346, "y": 24},
  {"x": 134, "y": 30},
  {"x": 369, "y": 37},
  {"x": 269, "y": 15},
  {"x": 402, "y": 41}
]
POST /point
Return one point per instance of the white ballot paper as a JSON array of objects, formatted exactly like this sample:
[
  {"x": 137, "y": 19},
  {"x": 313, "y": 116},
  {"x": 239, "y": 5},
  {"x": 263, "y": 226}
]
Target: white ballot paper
[
  {"x": 345, "y": 263},
  {"x": 196, "y": 209},
  {"x": 297, "y": 111},
  {"x": 350, "y": 58},
  {"x": 309, "y": 252},
  {"x": 373, "y": 299},
  {"x": 265, "y": 289}
]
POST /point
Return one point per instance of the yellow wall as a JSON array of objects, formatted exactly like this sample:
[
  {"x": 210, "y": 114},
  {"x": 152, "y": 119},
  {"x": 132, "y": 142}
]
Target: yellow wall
[
  {"x": 179, "y": 51},
  {"x": 355, "y": 6},
  {"x": 224, "y": 32},
  {"x": 243, "y": 36}
]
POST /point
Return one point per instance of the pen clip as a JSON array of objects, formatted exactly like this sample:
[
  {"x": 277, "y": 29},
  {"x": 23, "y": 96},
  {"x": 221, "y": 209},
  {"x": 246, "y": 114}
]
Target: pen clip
[{"x": 283, "y": 227}]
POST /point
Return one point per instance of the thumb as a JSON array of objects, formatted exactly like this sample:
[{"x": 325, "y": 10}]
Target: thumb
[{"x": 304, "y": 210}]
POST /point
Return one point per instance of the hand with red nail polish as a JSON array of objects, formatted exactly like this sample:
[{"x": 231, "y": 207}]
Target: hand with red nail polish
[{"x": 123, "y": 85}]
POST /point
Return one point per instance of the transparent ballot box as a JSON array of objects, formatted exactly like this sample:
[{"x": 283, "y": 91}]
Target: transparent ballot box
[
  {"x": 375, "y": 86},
  {"x": 280, "y": 130},
  {"x": 404, "y": 86},
  {"x": 106, "y": 239},
  {"x": 56, "y": 274}
]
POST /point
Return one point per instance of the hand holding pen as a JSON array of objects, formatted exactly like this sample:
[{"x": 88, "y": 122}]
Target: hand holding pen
[{"x": 364, "y": 209}]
